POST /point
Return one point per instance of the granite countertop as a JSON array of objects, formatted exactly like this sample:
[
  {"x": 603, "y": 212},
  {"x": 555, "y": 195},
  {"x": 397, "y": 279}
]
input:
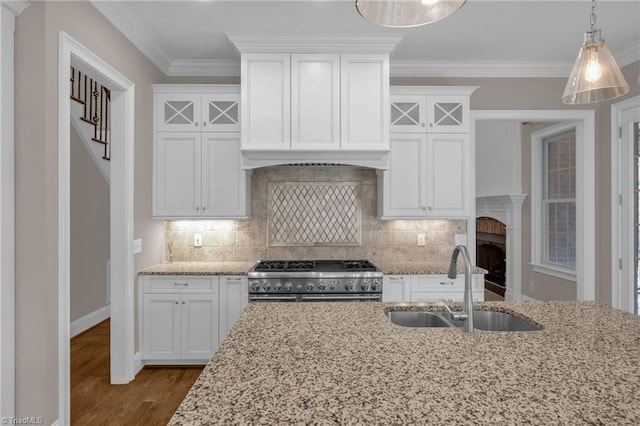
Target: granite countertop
[
  {"x": 425, "y": 267},
  {"x": 345, "y": 363},
  {"x": 198, "y": 268},
  {"x": 241, "y": 268}
]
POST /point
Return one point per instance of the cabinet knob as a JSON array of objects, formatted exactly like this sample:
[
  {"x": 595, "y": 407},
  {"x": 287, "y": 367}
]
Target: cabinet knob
[
  {"x": 429, "y": 208},
  {"x": 197, "y": 208},
  {"x": 196, "y": 123},
  {"x": 430, "y": 124},
  {"x": 423, "y": 207},
  {"x": 203, "y": 208},
  {"x": 422, "y": 125},
  {"x": 204, "y": 124},
  {"x": 176, "y": 302},
  {"x": 184, "y": 303}
]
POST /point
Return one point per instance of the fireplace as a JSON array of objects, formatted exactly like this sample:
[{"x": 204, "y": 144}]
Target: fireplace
[{"x": 491, "y": 253}]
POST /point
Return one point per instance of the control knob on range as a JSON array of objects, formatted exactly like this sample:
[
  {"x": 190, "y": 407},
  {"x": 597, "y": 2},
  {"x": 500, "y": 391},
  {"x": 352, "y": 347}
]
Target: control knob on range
[
  {"x": 376, "y": 285},
  {"x": 321, "y": 286},
  {"x": 348, "y": 285},
  {"x": 266, "y": 285},
  {"x": 277, "y": 286},
  {"x": 309, "y": 286},
  {"x": 288, "y": 286},
  {"x": 255, "y": 286},
  {"x": 364, "y": 285}
]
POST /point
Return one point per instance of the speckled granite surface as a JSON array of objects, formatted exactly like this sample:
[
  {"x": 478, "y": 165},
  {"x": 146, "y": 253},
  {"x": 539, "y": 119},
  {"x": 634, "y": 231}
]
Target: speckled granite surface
[
  {"x": 427, "y": 267},
  {"x": 241, "y": 268},
  {"x": 198, "y": 268},
  {"x": 343, "y": 363}
]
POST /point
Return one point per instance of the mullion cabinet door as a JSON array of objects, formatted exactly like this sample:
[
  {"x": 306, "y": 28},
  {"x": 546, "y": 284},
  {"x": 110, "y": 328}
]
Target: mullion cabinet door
[
  {"x": 178, "y": 112},
  {"x": 447, "y": 114},
  {"x": 408, "y": 114},
  {"x": 221, "y": 112}
]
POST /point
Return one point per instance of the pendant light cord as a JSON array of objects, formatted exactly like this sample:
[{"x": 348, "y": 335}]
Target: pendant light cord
[{"x": 593, "y": 16}]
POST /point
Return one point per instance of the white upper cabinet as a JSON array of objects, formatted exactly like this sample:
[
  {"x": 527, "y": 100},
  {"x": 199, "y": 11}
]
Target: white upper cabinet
[
  {"x": 321, "y": 102},
  {"x": 365, "y": 101},
  {"x": 197, "y": 167},
  {"x": 265, "y": 99},
  {"x": 430, "y": 155},
  {"x": 225, "y": 191},
  {"x": 315, "y": 101}
]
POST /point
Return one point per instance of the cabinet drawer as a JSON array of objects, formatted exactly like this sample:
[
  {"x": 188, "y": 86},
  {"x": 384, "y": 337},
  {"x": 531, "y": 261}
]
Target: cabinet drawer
[
  {"x": 181, "y": 283},
  {"x": 437, "y": 283}
]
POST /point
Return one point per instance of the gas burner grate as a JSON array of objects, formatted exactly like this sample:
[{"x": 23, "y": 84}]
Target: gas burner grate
[
  {"x": 359, "y": 265},
  {"x": 300, "y": 265},
  {"x": 271, "y": 265}
]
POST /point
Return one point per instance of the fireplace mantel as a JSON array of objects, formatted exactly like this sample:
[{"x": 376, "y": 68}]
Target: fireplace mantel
[{"x": 508, "y": 210}]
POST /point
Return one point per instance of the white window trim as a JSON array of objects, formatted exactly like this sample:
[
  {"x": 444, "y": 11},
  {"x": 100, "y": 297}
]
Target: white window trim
[
  {"x": 537, "y": 184},
  {"x": 622, "y": 276}
]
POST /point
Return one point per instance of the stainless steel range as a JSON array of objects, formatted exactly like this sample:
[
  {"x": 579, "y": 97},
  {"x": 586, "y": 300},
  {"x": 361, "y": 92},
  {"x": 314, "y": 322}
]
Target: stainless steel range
[{"x": 315, "y": 281}]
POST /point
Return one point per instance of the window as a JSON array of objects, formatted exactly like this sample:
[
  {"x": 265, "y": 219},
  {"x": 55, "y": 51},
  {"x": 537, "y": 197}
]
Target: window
[{"x": 553, "y": 201}]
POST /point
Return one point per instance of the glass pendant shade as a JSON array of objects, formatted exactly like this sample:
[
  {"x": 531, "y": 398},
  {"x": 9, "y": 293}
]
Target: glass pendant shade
[
  {"x": 595, "y": 75},
  {"x": 406, "y": 13}
]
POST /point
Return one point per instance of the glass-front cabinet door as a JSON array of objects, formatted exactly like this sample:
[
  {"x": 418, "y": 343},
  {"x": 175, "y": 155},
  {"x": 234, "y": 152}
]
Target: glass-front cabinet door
[
  {"x": 447, "y": 114},
  {"x": 408, "y": 113},
  {"x": 177, "y": 112},
  {"x": 221, "y": 112}
]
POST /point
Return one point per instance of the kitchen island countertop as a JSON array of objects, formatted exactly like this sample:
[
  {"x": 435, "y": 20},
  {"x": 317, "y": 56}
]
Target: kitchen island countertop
[
  {"x": 345, "y": 363},
  {"x": 421, "y": 268}
]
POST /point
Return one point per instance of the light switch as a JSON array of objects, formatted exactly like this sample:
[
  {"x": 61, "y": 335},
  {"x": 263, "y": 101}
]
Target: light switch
[
  {"x": 137, "y": 246},
  {"x": 421, "y": 240},
  {"x": 197, "y": 240}
]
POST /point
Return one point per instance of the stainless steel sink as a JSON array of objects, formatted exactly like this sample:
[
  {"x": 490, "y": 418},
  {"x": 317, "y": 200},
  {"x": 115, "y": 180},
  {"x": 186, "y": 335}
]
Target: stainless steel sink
[
  {"x": 418, "y": 319},
  {"x": 483, "y": 320}
]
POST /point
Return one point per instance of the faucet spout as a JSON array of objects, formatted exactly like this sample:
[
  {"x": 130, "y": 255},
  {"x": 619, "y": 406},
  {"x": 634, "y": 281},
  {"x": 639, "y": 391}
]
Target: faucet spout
[{"x": 467, "y": 305}]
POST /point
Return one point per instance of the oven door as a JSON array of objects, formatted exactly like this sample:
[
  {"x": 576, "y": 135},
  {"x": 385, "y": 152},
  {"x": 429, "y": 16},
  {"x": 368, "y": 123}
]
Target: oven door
[
  {"x": 343, "y": 297},
  {"x": 273, "y": 298}
]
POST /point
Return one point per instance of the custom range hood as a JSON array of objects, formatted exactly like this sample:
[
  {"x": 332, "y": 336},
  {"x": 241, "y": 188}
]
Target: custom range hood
[{"x": 314, "y": 98}]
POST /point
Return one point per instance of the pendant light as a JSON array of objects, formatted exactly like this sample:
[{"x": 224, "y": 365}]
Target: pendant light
[
  {"x": 406, "y": 13},
  {"x": 595, "y": 75}
]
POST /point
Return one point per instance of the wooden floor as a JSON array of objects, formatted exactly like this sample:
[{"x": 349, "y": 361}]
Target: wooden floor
[{"x": 150, "y": 399}]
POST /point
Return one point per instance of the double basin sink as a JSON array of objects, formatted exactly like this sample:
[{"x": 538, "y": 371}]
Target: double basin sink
[{"x": 482, "y": 320}]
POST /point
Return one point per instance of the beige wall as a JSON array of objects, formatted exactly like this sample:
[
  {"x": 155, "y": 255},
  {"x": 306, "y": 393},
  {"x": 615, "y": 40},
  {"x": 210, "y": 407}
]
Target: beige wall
[
  {"x": 36, "y": 181},
  {"x": 89, "y": 231},
  {"x": 246, "y": 240}
]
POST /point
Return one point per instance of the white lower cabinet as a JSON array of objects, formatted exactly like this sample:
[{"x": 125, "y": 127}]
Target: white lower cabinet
[
  {"x": 234, "y": 296},
  {"x": 429, "y": 288},
  {"x": 183, "y": 319}
]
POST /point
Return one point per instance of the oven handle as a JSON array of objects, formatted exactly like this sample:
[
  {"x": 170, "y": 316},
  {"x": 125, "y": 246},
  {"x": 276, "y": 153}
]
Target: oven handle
[
  {"x": 268, "y": 298},
  {"x": 343, "y": 297}
]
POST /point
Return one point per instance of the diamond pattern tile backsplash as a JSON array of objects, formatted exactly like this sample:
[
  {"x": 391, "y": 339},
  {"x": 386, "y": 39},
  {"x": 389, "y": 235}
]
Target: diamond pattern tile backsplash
[
  {"x": 313, "y": 213},
  {"x": 327, "y": 233}
]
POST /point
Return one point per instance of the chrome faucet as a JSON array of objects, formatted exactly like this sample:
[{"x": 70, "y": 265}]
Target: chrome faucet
[{"x": 467, "y": 304}]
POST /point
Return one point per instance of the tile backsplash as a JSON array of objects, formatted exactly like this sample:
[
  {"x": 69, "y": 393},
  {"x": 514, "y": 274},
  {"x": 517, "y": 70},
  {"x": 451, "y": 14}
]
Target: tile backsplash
[{"x": 246, "y": 240}]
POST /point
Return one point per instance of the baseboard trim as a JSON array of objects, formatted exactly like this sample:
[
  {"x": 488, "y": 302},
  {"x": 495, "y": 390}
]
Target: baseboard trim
[
  {"x": 89, "y": 320},
  {"x": 138, "y": 363}
]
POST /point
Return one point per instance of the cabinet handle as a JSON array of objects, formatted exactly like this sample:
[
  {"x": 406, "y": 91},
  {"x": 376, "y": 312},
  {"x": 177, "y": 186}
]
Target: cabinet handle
[
  {"x": 396, "y": 279},
  {"x": 181, "y": 284},
  {"x": 446, "y": 282},
  {"x": 234, "y": 279}
]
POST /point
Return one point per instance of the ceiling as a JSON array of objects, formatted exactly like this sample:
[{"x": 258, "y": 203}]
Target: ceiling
[{"x": 506, "y": 38}]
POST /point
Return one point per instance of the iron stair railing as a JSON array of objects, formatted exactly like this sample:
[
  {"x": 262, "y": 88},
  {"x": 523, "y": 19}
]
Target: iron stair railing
[{"x": 96, "y": 102}]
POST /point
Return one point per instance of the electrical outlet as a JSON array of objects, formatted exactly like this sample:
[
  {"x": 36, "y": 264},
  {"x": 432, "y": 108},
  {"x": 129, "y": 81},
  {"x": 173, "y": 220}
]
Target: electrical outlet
[
  {"x": 197, "y": 240},
  {"x": 422, "y": 240}
]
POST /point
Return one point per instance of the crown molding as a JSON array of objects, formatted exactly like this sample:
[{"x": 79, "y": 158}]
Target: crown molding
[
  {"x": 628, "y": 56},
  {"x": 493, "y": 69},
  {"x": 118, "y": 14},
  {"x": 205, "y": 68},
  {"x": 16, "y": 6},
  {"x": 313, "y": 43}
]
